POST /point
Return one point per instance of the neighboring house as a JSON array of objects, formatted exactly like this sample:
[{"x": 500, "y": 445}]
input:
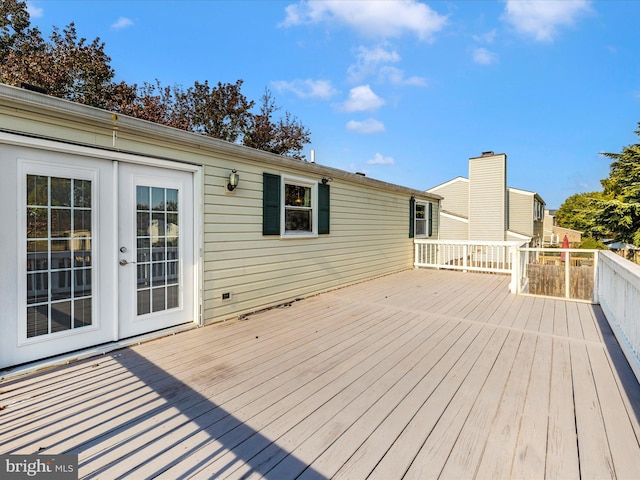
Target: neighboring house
[
  {"x": 482, "y": 207},
  {"x": 554, "y": 235},
  {"x": 114, "y": 227}
]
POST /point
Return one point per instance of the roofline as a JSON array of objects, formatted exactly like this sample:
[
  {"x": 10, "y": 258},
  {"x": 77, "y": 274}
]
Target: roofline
[
  {"x": 457, "y": 179},
  {"x": 32, "y": 102},
  {"x": 527, "y": 192}
]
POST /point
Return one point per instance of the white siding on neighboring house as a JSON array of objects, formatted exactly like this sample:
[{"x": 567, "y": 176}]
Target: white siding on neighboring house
[
  {"x": 521, "y": 214},
  {"x": 455, "y": 195},
  {"x": 488, "y": 197},
  {"x": 453, "y": 227}
]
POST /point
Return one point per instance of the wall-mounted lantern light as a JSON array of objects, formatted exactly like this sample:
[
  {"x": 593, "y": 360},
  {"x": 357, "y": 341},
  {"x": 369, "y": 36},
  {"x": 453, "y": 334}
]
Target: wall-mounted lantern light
[
  {"x": 234, "y": 178},
  {"x": 326, "y": 180}
]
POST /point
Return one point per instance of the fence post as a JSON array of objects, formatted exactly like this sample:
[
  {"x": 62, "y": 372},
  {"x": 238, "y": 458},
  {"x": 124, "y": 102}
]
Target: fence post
[
  {"x": 513, "y": 251},
  {"x": 465, "y": 253},
  {"x": 567, "y": 272}
]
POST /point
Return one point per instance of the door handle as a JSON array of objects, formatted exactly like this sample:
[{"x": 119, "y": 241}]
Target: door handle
[{"x": 123, "y": 262}]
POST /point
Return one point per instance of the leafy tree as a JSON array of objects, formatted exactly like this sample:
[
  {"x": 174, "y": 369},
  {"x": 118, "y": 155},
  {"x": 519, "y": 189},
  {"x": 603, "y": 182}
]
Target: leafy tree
[
  {"x": 221, "y": 111},
  {"x": 14, "y": 26},
  {"x": 591, "y": 243},
  {"x": 72, "y": 68},
  {"x": 285, "y": 136},
  {"x": 620, "y": 209},
  {"x": 580, "y": 212},
  {"x": 152, "y": 102},
  {"x": 66, "y": 67}
]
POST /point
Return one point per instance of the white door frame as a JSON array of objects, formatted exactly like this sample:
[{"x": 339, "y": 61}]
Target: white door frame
[{"x": 118, "y": 157}]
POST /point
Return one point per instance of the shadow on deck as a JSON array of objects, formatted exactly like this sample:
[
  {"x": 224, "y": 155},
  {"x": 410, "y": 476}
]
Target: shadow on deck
[{"x": 418, "y": 374}]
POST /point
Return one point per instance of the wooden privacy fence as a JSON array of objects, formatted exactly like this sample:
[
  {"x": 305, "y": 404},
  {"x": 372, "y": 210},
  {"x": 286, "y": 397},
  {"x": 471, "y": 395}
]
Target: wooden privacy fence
[{"x": 565, "y": 273}]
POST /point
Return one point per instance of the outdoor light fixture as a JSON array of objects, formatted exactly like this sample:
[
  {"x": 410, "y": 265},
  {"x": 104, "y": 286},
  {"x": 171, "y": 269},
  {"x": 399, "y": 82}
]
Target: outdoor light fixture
[
  {"x": 233, "y": 180},
  {"x": 326, "y": 180}
]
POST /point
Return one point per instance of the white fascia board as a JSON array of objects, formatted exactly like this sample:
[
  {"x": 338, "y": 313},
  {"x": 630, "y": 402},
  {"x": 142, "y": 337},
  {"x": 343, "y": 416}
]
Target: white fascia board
[
  {"x": 454, "y": 217},
  {"x": 453, "y": 180}
]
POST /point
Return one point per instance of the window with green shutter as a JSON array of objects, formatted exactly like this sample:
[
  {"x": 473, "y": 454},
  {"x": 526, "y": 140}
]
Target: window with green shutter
[
  {"x": 420, "y": 219},
  {"x": 294, "y": 207}
]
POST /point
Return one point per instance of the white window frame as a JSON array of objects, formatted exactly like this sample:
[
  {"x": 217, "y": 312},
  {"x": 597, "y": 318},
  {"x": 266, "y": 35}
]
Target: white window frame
[
  {"x": 302, "y": 182},
  {"x": 426, "y": 220},
  {"x": 27, "y": 167}
]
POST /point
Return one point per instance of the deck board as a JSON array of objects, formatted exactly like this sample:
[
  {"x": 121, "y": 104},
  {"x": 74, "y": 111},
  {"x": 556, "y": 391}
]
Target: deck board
[{"x": 421, "y": 374}]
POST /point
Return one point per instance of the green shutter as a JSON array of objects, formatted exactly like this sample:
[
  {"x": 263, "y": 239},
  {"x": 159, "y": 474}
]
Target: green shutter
[
  {"x": 323, "y": 208},
  {"x": 430, "y": 219},
  {"x": 270, "y": 204},
  {"x": 412, "y": 217}
]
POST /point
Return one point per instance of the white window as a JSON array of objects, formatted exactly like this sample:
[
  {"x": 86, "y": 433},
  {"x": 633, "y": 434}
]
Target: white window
[
  {"x": 59, "y": 218},
  {"x": 299, "y": 207},
  {"x": 422, "y": 220}
]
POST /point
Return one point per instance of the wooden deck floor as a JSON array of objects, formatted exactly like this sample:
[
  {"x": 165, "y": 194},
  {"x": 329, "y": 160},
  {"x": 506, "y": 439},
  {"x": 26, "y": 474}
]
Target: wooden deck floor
[{"x": 422, "y": 374}]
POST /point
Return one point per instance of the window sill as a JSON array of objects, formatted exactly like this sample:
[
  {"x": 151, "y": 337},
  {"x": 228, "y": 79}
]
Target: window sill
[{"x": 290, "y": 236}]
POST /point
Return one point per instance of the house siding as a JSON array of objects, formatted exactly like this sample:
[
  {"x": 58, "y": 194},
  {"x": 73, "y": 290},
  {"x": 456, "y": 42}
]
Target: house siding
[
  {"x": 488, "y": 197},
  {"x": 453, "y": 229},
  {"x": 368, "y": 238},
  {"x": 455, "y": 195},
  {"x": 368, "y": 218},
  {"x": 521, "y": 215}
]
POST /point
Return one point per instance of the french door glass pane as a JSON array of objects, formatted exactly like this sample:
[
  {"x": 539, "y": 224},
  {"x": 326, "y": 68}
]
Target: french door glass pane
[
  {"x": 59, "y": 250},
  {"x": 157, "y": 241}
]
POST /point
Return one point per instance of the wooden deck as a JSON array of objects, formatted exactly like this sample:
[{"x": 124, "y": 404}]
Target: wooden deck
[{"x": 421, "y": 374}]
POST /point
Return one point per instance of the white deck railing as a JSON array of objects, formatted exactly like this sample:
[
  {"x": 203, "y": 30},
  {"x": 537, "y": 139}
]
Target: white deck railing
[
  {"x": 569, "y": 273},
  {"x": 467, "y": 256},
  {"x": 597, "y": 276},
  {"x": 619, "y": 297}
]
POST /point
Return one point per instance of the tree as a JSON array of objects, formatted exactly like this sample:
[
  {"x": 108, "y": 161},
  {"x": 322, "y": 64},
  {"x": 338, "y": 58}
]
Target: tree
[
  {"x": 286, "y": 136},
  {"x": 221, "y": 111},
  {"x": 66, "y": 67},
  {"x": 14, "y": 26},
  {"x": 580, "y": 212},
  {"x": 72, "y": 68},
  {"x": 620, "y": 209}
]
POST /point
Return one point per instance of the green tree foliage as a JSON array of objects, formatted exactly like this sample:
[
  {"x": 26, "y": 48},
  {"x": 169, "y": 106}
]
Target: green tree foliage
[
  {"x": 72, "y": 68},
  {"x": 580, "y": 212},
  {"x": 615, "y": 211},
  {"x": 620, "y": 209}
]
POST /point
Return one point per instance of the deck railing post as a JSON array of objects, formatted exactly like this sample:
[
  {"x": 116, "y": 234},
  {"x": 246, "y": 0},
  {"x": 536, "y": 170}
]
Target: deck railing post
[
  {"x": 465, "y": 253},
  {"x": 567, "y": 273}
]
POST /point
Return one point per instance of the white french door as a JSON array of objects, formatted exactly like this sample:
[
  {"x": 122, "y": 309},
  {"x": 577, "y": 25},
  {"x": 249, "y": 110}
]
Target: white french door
[
  {"x": 103, "y": 250},
  {"x": 156, "y": 261}
]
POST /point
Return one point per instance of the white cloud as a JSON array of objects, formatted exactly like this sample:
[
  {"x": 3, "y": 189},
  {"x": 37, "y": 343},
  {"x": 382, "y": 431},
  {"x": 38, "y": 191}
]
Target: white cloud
[
  {"x": 396, "y": 76},
  {"x": 488, "y": 37},
  {"x": 361, "y": 99},
  {"x": 541, "y": 19},
  {"x": 373, "y": 18},
  {"x": 321, "y": 89},
  {"x": 368, "y": 61},
  {"x": 33, "y": 11},
  {"x": 484, "y": 56},
  {"x": 379, "y": 159},
  {"x": 122, "y": 22},
  {"x": 366, "y": 127}
]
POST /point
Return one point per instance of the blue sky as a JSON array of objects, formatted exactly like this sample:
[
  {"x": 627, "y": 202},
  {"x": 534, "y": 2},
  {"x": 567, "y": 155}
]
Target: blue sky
[{"x": 405, "y": 91}]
